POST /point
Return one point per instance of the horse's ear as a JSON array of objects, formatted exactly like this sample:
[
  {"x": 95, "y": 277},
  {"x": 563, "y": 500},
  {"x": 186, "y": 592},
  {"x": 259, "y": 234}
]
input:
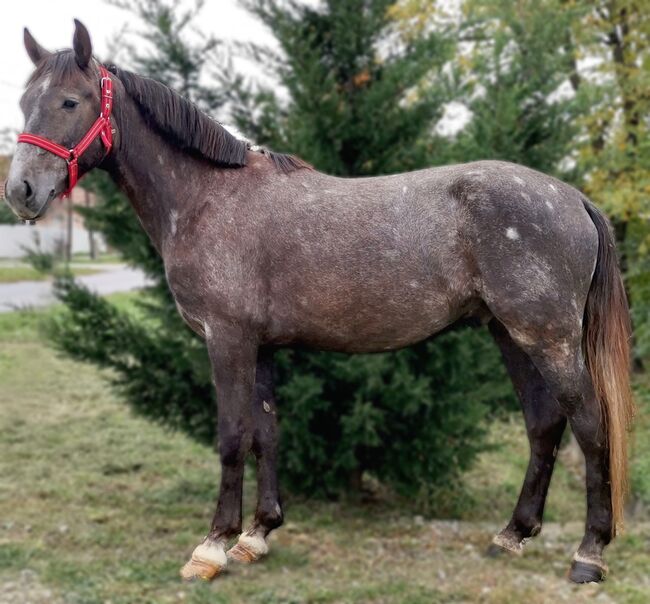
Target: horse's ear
[
  {"x": 83, "y": 49},
  {"x": 35, "y": 51}
]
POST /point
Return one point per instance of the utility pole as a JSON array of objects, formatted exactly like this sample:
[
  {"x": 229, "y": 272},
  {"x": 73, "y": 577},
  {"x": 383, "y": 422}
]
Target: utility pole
[
  {"x": 91, "y": 234},
  {"x": 68, "y": 246}
]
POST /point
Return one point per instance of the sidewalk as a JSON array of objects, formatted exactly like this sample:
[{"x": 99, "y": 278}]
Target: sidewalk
[{"x": 29, "y": 294}]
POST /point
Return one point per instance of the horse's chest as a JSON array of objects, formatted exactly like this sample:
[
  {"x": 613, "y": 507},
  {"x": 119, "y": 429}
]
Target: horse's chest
[{"x": 212, "y": 288}]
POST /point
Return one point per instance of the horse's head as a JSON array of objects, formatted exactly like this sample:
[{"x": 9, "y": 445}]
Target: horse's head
[{"x": 60, "y": 103}]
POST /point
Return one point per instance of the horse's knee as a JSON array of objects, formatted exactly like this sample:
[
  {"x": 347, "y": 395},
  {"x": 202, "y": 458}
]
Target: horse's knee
[
  {"x": 234, "y": 444},
  {"x": 264, "y": 441}
]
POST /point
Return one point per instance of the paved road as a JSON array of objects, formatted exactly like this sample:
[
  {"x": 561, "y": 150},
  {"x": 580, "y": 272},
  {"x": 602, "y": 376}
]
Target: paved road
[{"x": 26, "y": 294}]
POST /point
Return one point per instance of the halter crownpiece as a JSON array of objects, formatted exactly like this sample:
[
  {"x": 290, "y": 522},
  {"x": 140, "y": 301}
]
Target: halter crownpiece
[{"x": 102, "y": 128}]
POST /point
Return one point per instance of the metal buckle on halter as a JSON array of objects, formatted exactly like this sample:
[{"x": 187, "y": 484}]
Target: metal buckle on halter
[{"x": 72, "y": 157}]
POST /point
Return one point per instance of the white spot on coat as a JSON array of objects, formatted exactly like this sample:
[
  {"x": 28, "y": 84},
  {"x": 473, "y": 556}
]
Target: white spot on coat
[
  {"x": 45, "y": 84},
  {"x": 518, "y": 180},
  {"x": 36, "y": 111},
  {"x": 173, "y": 218},
  {"x": 549, "y": 205},
  {"x": 511, "y": 233},
  {"x": 24, "y": 154}
]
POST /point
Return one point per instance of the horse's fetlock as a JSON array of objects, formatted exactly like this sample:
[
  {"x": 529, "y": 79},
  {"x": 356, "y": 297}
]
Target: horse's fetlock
[
  {"x": 526, "y": 525},
  {"x": 270, "y": 516}
]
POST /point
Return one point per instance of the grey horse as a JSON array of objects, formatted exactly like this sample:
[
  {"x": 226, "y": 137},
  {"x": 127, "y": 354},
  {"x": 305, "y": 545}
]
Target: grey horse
[{"x": 261, "y": 251}]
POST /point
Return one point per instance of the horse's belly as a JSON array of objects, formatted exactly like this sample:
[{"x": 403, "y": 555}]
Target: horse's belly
[{"x": 350, "y": 322}]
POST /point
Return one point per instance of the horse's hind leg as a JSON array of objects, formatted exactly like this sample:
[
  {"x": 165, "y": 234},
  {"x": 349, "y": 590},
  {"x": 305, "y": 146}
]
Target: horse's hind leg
[
  {"x": 268, "y": 514},
  {"x": 564, "y": 369},
  {"x": 558, "y": 357},
  {"x": 545, "y": 424}
]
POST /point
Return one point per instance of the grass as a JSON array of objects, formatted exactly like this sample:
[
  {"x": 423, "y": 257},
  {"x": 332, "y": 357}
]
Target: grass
[
  {"x": 101, "y": 259},
  {"x": 97, "y": 505},
  {"x": 24, "y": 272},
  {"x": 12, "y": 271}
]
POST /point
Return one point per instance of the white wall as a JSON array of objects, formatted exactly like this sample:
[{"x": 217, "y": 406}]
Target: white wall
[{"x": 14, "y": 237}]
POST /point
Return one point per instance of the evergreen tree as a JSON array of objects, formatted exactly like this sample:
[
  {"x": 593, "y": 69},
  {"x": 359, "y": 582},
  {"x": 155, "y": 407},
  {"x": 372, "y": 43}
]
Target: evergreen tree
[
  {"x": 6, "y": 215},
  {"x": 362, "y": 102},
  {"x": 518, "y": 80}
]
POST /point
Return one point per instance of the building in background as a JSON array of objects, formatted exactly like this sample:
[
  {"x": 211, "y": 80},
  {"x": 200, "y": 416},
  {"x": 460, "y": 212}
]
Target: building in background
[{"x": 61, "y": 230}]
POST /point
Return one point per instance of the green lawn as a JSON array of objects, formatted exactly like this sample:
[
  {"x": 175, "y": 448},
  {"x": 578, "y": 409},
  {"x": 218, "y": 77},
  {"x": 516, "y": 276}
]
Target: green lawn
[
  {"x": 24, "y": 272},
  {"x": 101, "y": 259},
  {"x": 97, "y": 506}
]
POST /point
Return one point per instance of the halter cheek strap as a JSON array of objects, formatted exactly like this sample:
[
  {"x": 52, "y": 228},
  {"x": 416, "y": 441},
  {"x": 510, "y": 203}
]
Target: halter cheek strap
[{"x": 102, "y": 128}]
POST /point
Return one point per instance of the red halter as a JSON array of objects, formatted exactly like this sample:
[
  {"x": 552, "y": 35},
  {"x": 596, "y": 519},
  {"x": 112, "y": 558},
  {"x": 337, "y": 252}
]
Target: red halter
[{"x": 102, "y": 128}]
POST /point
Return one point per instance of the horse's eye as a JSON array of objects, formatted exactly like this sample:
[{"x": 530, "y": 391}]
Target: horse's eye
[{"x": 70, "y": 104}]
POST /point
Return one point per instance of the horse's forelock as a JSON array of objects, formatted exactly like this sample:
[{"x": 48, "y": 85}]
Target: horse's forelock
[{"x": 61, "y": 67}]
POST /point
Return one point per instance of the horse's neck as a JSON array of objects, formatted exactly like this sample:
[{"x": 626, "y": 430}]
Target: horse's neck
[{"x": 156, "y": 176}]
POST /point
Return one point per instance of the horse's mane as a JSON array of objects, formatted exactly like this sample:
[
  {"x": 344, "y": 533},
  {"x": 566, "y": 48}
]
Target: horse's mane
[
  {"x": 190, "y": 128},
  {"x": 178, "y": 118},
  {"x": 182, "y": 121}
]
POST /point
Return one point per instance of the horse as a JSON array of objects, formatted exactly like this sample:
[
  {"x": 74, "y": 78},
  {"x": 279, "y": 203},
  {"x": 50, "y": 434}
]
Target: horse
[{"x": 262, "y": 251}]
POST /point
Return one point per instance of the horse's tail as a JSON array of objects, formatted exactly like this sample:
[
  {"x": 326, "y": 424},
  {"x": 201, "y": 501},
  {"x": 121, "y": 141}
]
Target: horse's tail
[{"x": 606, "y": 340}]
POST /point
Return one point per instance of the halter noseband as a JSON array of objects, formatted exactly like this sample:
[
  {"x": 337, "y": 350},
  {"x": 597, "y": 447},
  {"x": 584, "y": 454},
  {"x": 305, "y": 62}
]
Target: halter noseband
[{"x": 102, "y": 128}]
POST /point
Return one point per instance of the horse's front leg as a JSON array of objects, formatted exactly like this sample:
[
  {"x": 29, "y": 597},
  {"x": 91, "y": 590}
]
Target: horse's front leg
[
  {"x": 268, "y": 514},
  {"x": 233, "y": 353}
]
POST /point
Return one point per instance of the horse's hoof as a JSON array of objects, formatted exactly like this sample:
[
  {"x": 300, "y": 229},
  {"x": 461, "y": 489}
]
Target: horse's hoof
[
  {"x": 504, "y": 544},
  {"x": 494, "y": 551},
  {"x": 587, "y": 571},
  {"x": 199, "y": 569},
  {"x": 208, "y": 561},
  {"x": 249, "y": 548}
]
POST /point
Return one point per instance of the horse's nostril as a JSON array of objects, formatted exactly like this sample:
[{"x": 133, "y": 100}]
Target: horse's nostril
[{"x": 29, "y": 192}]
